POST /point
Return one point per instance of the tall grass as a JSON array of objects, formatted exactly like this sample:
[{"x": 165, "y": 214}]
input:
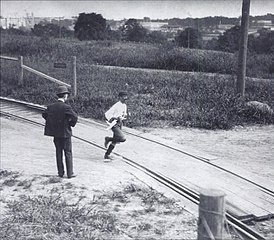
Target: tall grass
[
  {"x": 156, "y": 96},
  {"x": 111, "y": 215},
  {"x": 138, "y": 55}
]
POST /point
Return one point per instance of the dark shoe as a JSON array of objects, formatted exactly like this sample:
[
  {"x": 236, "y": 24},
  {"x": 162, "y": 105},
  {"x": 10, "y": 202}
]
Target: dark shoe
[
  {"x": 106, "y": 142},
  {"x": 72, "y": 176},
  {"x": 61, "y": 176},
  {"x": 107, "y": 158}
]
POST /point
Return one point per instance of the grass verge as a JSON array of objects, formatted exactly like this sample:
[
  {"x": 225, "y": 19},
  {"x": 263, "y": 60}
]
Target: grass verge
[{"x": 61, "y": 212}]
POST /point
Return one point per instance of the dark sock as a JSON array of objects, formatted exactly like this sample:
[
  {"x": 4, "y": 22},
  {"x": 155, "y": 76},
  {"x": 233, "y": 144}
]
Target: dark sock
[{"x": 110, "y": 148}]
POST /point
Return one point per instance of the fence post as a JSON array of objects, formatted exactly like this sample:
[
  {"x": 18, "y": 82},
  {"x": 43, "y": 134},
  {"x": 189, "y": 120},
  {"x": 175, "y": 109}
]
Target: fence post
[
  {"x": 74, "y": 77},
  {"x": 211, "y": 215},
  {"x": 21, "y": 77}
]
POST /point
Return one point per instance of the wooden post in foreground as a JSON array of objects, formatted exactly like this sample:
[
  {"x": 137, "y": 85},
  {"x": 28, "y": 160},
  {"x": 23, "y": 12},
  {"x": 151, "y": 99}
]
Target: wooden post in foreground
[
  {"x": 74, "y": 77},
  {"x": 211, "y": 215},
  {"x": 21, "y": 77}
]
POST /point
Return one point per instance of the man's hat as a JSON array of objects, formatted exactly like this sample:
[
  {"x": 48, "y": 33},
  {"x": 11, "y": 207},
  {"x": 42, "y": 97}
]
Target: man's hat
[
  {"x": 122, "y": 94},
  {"x": 62, "y": 90}
]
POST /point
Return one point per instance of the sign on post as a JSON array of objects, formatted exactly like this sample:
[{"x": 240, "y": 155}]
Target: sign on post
[{"x": 59, "y": 65}]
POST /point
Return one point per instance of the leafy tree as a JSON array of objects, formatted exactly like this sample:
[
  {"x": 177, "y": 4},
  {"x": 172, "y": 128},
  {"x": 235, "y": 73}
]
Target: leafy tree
[
  {"x": 211, "y": 44},
  {"x": 114, "y": 35},
  {"x": 90, "y": 26},
  {"x": 155, "y": 37},
  {"x": 229, "y": 41},
  {"x": 50, "y": 30},
  {"x": 189, "y": 38},
  {"x": 15, "y": 31},
  {"x": 264, "y": 44},
  {"x": 206, "y": 22},
  {"x": 133, "y": 31}
]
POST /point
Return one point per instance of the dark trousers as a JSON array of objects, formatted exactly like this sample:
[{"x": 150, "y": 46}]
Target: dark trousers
[
  {"x": 63, "y": 145},
  {"x": 118, "y": 137}
]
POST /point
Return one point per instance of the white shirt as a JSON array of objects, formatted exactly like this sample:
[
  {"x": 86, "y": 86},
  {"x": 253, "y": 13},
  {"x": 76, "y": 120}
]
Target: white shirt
[
  {"x": 119, "y": 109},
  {"x": 61, "y": 99}
]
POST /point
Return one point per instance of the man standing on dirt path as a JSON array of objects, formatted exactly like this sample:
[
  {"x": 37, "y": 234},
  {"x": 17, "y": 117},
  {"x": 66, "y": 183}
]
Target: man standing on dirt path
[
  {"x": 60, "y": 118},
  {"x": 115, "y": 116}
]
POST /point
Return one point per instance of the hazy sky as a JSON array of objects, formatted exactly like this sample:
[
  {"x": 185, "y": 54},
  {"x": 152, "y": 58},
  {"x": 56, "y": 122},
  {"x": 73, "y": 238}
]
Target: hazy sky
[{"x": 118, "y": 9}]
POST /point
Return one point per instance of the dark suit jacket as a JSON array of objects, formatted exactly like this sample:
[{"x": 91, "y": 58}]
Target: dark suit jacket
[{"x": 59, "y": 119}]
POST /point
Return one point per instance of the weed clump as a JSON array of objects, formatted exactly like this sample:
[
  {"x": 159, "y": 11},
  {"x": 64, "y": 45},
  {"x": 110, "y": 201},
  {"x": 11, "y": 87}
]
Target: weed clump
[
  {"x": 131, "y": 213},
  {"x": 52, "y": 216}
]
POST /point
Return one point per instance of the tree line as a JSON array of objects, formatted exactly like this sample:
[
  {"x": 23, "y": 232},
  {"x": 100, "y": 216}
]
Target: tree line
[{"x": 92, "y": 26}]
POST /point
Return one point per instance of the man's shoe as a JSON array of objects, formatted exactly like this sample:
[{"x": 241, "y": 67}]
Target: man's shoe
[
  {"x": 107, "y": 158},
  {"x": 72, "y": 176},
  {"x": 106, "y": 142}
]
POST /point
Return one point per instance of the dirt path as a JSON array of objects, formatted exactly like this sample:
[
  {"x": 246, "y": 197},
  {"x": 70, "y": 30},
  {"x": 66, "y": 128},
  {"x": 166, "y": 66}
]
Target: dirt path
[
  {"x": 24, "y": 149},
  {"x": 31, "y": 158}
]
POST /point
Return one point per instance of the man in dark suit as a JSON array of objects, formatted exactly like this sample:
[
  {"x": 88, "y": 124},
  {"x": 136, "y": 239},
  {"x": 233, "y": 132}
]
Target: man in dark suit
[{"x": 60, "y": 118}]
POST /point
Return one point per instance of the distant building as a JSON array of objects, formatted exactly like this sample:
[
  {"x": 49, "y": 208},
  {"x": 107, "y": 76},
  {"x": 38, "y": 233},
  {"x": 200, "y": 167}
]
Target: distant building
[
  {"x": 171, "y": 28},
  {"x": 221, "y": 28},
  {"x": 262, "y": 23},
  {"x": 210, "y": 36},
  {"x": 29, "y": 21},
  {"x": 153, "y": 26},
  {"x": 3, "y": 23},
  {"x": 254, "y": 29},
  {"x": 115, "y": 25}
]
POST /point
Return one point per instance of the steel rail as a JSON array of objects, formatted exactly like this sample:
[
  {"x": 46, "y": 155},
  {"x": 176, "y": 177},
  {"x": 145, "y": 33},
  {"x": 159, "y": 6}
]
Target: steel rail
[
  {"x": 168, "y": 182},
  {"x": 205, "y": 160}
]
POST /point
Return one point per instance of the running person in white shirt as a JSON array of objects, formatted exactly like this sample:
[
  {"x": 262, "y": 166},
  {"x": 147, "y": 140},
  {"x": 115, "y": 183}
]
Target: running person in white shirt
[{"x": 115, "y": 116}]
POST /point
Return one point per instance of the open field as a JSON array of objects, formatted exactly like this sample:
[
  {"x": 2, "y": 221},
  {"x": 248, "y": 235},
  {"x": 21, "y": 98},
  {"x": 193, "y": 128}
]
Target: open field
[
  {"x": 157, "y": 97},
  {"x": 138, "y": 55}
]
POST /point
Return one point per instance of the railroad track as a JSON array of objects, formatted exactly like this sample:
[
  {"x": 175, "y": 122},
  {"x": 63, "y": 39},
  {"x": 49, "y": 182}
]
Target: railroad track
[{"x": 25, "y": 112}]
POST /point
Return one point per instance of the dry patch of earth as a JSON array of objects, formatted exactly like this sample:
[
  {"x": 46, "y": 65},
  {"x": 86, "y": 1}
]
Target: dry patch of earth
[
  {"x": 104, "y": 201},
  {"x": 107, "y": 199}
]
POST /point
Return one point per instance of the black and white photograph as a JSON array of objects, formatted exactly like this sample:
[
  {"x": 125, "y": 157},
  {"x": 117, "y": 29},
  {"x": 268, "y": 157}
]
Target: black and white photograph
[{"x": 137, "y": 120}]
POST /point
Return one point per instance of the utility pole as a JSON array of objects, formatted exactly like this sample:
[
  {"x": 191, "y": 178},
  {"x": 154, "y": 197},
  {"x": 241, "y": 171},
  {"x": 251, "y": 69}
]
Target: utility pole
[
  {"x": 60, "y": 27},
  {"x": 188, "y": 38},
  {"x": 243, "y": 48}
]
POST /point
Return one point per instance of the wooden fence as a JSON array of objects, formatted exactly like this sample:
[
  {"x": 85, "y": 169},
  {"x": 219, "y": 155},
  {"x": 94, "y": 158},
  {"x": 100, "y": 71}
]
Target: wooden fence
[{"x": 23, "y": 67}]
